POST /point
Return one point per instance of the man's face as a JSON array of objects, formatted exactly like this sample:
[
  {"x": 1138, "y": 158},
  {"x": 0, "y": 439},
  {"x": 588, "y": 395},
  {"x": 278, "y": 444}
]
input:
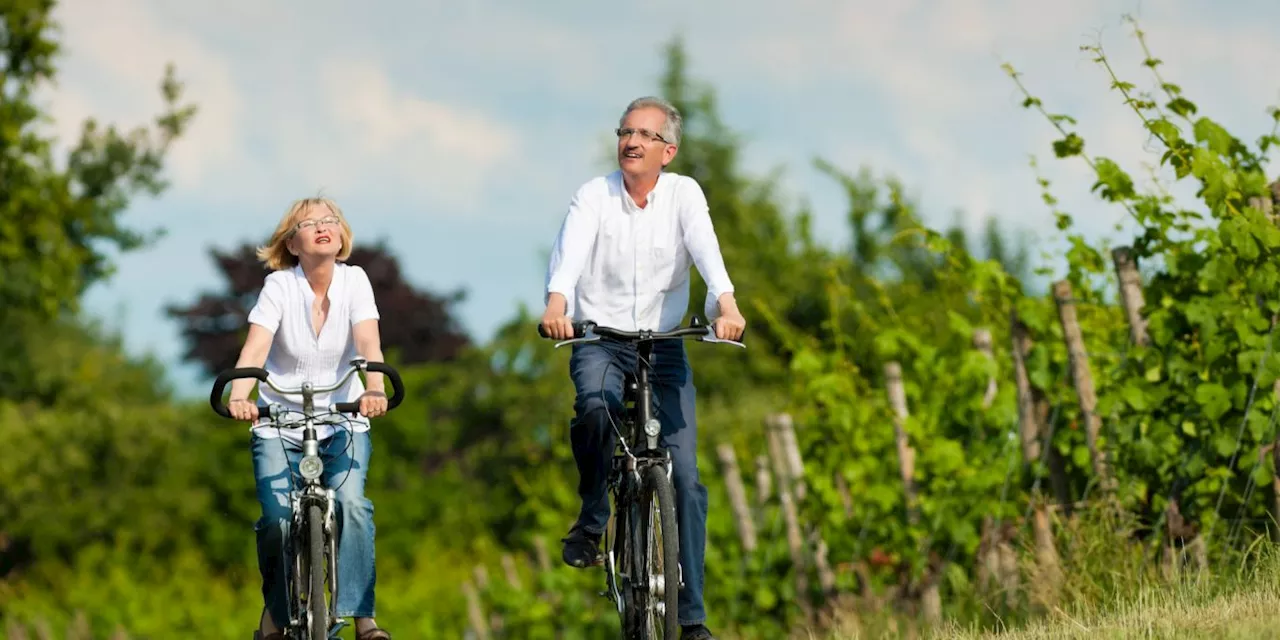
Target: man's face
[{"x": 641, "y": 148}]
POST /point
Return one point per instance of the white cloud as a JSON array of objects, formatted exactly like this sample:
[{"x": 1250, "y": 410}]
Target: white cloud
[
  {"x": 115, "y": 55},
  {"x": 394, "y": 135}
]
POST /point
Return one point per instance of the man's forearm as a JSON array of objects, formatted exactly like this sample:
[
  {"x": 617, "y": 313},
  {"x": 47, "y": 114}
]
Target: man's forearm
[
  {"x": 556, "y": 303},
  {"x": 728, "y": 303}
]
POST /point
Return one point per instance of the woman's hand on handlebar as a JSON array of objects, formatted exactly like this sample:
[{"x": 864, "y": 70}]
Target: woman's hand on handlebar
[
  {"x": 243, "y": 409},
  {"x": 373, "y": 404}
]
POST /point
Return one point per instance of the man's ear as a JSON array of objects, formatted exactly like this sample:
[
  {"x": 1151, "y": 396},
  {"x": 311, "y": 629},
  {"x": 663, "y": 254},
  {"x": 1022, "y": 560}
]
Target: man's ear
[{"x": 669, "y": 154}]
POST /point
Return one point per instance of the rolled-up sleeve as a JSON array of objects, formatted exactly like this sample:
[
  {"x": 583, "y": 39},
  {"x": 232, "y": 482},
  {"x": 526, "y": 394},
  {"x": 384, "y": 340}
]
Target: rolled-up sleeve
[
  {"x": 703, "y": 245},
  {"x": 573, "y": 245}
]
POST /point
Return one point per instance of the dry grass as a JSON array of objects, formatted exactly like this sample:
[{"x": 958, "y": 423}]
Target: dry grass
[
  {"x": 1248, "y": 611},
  {"x": 1111, "y": 590}
]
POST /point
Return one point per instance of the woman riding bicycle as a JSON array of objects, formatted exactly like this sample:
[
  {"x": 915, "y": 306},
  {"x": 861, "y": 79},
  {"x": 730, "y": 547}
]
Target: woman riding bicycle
[{"x": 313, "y": 316}]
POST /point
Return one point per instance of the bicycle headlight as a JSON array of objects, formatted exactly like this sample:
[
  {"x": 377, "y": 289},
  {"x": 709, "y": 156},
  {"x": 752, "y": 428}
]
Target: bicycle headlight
[
  {"x": 311, "y": 467},
  {"x": 652, "y": 427}
]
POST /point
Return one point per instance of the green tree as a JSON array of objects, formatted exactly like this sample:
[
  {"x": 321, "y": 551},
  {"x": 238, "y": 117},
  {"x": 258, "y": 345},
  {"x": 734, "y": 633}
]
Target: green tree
[{"x": 59, "y": 220}]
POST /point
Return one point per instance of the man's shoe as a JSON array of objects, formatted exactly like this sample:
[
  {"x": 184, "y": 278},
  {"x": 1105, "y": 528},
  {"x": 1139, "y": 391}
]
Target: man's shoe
[
  {"x": 695, "y": 632},
  {"x": 582, "y": 549}
]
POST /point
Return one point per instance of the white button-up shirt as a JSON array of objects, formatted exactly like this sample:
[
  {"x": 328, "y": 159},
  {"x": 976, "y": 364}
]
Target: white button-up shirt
[
  {"x": 627, "y": 267},
  {"x": 299, "y": 355}
]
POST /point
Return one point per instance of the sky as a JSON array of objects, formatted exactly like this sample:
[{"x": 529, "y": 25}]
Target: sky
[{"x": 457, "y": 132}]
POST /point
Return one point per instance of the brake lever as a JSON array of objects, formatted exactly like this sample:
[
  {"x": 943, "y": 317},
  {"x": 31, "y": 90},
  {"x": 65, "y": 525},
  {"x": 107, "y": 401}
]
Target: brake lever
[
  {"x": 711, "y": 337},
  {"x": 590, "y": 336}
]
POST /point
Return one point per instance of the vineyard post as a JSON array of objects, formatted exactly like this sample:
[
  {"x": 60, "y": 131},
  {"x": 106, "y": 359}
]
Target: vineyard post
[
  {"x": 1133, "y": 300},
  {"x": 906, "y": 456},
  {"x": 479, "y": 625},
  {"x": 1131, "y": 297},
  {"x": 1267, "y": 206},
  {"x": 996, "y": 559},
  {"x": 791, "y": 447},
  {"x": 1048, "y": 582},
  {"x": 930, "y": 598},
  {"x": 795, "y": 542},
  {"x": 512, "y": 573},
  {"x": 1078, "y": 358},
  {"x": 795, "y": 478},
  {"x": 15, "y": 630},
  {"x": 737, "y": 496},
  {"x": 764, "y": 486}
]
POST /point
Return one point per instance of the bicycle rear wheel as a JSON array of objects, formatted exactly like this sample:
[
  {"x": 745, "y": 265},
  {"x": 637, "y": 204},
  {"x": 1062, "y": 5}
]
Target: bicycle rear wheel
[
  {"x": 317, "y": 568},
  {"x": 656, "y": 557}
]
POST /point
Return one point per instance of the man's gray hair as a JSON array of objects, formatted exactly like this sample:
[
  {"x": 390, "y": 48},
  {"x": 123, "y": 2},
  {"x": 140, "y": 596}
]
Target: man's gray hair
[{"x": 674, "y": 123}]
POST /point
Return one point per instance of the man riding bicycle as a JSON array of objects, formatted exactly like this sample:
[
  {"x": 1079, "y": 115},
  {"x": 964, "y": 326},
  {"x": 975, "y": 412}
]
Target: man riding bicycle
[{"x": 622, "y": 260}]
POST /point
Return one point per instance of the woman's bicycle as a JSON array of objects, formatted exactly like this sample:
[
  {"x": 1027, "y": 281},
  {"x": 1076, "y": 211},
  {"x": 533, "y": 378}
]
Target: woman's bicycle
[
  {"x": 312, "y": 548},
  {"x": 642, "y": 565}
]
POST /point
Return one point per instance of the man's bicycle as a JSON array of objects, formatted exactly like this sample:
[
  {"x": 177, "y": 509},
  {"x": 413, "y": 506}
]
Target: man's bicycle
[
  {"x": 312, "y": 548},
  {"x": 642, "y": 565}
]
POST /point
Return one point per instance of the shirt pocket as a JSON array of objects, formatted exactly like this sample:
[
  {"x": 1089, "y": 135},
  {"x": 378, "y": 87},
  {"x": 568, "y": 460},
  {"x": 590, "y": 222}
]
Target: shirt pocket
[{"x": 663, "y": 247}]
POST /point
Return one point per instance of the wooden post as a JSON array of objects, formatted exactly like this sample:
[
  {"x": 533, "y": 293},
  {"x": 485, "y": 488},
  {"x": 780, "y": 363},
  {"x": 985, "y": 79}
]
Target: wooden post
[
  {"x": 1047, "y": 584},
  {"x": 764, "y": 482},
  {"x": 1266, "y": 204},
  {"x": 541, "y": 554},
  {"x": 1275, "y": 475},
  {"x": 479, "y": 625},
  {"x": 1131, "y": 297},
  {"x": 15, "y": 630},
  {"x": 982, "y": 342},
  {"x": 737, "y": 496},
  {"x": 795, "y": 542},
  {"x": 996, "y": 557},
  {"x": 791, "y": 448},
  {"x": 79, "y": 628},
  {"x": 906, "y": 456},
  {"x": 930, "y": 598},
  {"x": 846, "y": 498},
  {"x": 510, "y": 570},
  {"x": 1078, "y": 358}
]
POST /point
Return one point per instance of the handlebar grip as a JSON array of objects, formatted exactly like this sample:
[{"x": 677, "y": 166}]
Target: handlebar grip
[
  {"x": 579, "y": 329},
  {"x": 220, "y": 384},
  {"x": 397, "y": 386}
]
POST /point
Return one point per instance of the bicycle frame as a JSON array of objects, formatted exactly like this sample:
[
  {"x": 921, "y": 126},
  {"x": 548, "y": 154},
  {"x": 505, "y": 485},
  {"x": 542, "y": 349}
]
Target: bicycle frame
[{"x": 310, "y": 468}]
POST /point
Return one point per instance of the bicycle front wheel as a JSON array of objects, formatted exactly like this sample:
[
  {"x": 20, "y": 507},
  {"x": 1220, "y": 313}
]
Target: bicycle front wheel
[
  {"x": 657, "y": 557},
  {"x": 317, "y": 607}
]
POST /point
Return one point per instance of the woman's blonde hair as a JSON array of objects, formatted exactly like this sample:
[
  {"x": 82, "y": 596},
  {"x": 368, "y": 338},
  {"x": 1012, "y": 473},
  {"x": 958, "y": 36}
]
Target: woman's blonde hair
[{"x": 276, "y": 254}]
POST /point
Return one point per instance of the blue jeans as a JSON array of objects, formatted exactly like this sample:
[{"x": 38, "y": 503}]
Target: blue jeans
[
  {"x": 353, "y": 513},
  {"x": 600, "y": 366}
]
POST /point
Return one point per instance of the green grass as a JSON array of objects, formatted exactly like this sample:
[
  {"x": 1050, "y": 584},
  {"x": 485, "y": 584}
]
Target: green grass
[{"x": 1111, "y": 590}]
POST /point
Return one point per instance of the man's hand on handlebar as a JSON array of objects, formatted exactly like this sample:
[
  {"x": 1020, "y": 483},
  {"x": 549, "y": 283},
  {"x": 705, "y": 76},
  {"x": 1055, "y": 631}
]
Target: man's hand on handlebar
[
  {"x": 243, "y": 409},
  {"x": 730, "y": 326}
]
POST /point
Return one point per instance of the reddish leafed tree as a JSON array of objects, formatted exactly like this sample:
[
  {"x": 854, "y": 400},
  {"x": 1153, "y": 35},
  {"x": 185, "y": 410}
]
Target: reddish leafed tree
[{"x": 416, "y": 326}]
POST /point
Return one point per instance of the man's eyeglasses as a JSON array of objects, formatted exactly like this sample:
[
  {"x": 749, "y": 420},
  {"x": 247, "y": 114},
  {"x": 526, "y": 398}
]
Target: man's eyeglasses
[{"x": 645, "y": 134}]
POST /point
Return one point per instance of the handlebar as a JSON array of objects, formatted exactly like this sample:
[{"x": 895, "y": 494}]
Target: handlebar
[
  {"x": 358, "y": 364},
  {"x": 588, "y": 331}
]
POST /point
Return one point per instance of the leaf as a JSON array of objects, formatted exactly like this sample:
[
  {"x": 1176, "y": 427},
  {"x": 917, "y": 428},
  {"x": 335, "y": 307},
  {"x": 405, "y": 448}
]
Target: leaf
[
  {"x": 1182, "y": 107},
  {"x": 1213, "y": 136},
  {"x": 1134, "y": 396},
  {"x": 1071, "y": 145},
  {"x": 1214, "y": 400}
]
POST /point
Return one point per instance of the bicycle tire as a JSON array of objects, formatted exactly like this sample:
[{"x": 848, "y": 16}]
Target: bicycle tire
[
  {"x": 318, "y": 618},
  {"x": 656, "y": 487}
]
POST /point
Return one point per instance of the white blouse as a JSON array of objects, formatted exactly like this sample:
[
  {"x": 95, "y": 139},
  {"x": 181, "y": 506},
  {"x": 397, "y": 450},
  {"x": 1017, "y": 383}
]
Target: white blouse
[{"x": 299, "y": 355}]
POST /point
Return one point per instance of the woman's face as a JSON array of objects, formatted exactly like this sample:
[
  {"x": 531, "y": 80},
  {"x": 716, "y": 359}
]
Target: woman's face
[{"x": 317, "y": 234}]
